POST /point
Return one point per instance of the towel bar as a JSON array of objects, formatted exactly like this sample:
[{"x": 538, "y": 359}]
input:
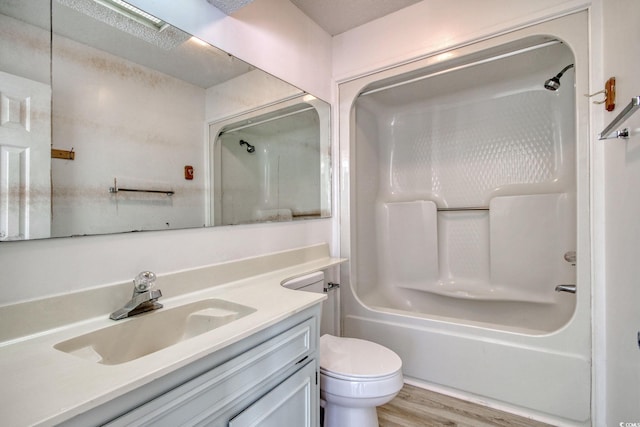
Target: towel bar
[
  {"x": 116, "y": 189},
  {"x": 467, "y": 208},
  {"x": 609, "y": 133}
]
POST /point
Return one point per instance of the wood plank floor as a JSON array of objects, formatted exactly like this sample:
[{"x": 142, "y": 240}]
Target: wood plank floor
[{"x": 416, "y": 407}]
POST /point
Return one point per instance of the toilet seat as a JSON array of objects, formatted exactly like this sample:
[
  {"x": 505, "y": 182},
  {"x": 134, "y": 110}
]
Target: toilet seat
[
  {"x": 357, "y": 379},
  {"x": 353, "y": 359}
]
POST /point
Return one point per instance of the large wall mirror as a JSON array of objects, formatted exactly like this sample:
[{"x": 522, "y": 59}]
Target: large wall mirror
[{"x": 112, "y": 121}]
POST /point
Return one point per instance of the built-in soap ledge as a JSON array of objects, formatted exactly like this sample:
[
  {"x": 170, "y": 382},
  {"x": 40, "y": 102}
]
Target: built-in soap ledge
[
  {"x": 483, "y": 291},
  {"x": 32, "y": 317}
]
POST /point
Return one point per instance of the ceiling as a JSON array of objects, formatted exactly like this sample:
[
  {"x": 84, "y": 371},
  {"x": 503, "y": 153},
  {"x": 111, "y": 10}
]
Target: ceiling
[
  {"x": 338, "y": 16},
  {"x": 334, "y": 16}
]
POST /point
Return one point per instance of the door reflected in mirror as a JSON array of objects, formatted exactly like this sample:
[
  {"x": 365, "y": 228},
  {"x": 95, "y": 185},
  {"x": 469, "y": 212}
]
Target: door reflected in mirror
[{"x": 132, "y": 105}]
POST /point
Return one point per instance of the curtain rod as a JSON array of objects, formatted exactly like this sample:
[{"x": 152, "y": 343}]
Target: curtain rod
[
  {"x": 461, "y": 67},
  {"x": 281, "y": 116}
]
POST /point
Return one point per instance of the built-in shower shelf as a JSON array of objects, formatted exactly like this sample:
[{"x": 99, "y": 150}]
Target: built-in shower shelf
[{"x": 485, "y": 291}]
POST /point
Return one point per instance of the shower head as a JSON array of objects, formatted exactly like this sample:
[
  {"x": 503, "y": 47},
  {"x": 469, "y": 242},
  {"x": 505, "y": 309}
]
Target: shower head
[
  {"x": 554, "y": 82},
  {"x": 250, "y": 148}
]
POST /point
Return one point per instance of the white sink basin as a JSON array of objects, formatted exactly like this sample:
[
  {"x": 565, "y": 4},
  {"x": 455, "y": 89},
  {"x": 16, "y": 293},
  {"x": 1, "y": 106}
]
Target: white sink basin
[{"x": 147, "y": 333}]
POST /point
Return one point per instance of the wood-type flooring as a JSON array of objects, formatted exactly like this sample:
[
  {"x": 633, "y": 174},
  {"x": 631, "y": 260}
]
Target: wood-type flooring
[{"x": 417, "y": 407}]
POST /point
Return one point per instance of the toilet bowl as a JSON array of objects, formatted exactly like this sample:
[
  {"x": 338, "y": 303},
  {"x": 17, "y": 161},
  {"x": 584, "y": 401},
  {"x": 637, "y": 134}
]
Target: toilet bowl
[{"x": 356, "y": 375}]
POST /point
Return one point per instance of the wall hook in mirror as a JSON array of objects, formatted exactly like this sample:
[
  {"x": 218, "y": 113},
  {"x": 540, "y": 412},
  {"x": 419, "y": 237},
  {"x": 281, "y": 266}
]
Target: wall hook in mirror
[
  {"x": 609, "y": 92},
  {"x": 63, "y": 154}
]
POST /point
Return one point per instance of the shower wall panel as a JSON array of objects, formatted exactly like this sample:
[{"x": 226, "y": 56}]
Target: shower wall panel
[{"x": 462, "y": 154}]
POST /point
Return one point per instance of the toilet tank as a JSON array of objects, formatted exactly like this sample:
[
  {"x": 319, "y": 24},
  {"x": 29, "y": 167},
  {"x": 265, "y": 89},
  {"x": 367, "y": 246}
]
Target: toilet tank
[{"x": 314, "y": 282}]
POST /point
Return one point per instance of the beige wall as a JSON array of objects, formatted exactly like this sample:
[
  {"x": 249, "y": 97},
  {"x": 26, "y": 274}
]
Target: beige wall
[{"x": 619, "y": 290}]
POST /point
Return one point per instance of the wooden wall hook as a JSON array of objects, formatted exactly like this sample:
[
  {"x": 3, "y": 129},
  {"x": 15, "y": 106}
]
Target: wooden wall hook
[{"x": 609, "y": 92}]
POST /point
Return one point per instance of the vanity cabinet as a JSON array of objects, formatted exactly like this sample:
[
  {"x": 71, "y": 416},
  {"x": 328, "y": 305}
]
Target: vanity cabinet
[
  {"x": 289, "y": 404},
  {"x": 267, "y": 379}
]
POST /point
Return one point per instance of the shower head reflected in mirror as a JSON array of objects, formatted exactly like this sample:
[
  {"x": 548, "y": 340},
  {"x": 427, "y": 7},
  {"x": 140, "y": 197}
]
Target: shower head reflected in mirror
[
  {"x": 554, "y": 82},
  {"x": 250, "y": 148}
]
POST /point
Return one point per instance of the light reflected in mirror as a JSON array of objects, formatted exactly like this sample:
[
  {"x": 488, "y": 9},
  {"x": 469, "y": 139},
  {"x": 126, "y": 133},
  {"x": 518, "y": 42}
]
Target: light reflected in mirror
[{"x": 124, "y": 105}]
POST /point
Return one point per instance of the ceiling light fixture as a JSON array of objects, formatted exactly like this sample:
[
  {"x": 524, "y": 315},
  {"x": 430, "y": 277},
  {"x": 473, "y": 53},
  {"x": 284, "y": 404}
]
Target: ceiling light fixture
[
  {"x": 134, "y": 13},
  {"x": 229, "y": 6}
]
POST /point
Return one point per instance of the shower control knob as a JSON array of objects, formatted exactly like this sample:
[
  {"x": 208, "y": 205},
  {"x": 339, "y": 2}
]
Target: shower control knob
[{"x": 570, "y": 257}]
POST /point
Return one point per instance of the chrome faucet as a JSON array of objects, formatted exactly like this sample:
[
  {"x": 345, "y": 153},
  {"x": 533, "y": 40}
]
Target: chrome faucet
[
  {"x": 143, "y": 299},
  {"x": 570, "y": 257}
]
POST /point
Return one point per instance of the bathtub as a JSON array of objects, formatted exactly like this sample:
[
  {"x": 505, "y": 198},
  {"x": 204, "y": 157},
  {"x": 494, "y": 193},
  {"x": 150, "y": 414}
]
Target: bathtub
[{"x": 465, "y": 203}]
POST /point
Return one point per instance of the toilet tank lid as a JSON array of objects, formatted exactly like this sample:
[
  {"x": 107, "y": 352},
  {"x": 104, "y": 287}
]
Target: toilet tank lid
[
  {"x": 302, "y": 281},
  {"x": 357, "y": 358}
]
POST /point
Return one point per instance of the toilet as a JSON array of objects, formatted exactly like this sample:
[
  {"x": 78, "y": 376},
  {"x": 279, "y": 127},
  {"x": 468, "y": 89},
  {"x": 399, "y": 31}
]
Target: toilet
[{"x": 356, "y": 375}]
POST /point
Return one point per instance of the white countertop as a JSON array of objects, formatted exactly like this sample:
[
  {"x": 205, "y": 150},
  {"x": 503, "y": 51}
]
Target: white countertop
[{"x": 44, "y": 386}]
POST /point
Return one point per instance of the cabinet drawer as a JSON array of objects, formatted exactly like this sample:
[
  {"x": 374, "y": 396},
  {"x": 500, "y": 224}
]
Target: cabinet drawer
[{"x": 219, "y": 389}]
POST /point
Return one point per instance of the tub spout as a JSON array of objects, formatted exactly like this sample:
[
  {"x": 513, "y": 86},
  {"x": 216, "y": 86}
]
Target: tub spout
[{"x": 566, "y": 288}]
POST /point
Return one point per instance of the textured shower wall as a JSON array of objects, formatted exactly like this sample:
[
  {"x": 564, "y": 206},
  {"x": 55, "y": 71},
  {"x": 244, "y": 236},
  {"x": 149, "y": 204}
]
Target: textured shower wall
[{"x": 463, "y": 154}]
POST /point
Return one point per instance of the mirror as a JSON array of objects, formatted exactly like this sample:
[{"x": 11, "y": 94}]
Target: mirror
[
  {"x": 266, "y": 167},
  {"x": 112, "y": 123}
]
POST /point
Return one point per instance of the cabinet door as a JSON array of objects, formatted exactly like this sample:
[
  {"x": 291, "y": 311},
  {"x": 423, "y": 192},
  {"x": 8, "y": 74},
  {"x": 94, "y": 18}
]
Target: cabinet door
[
  {"x": 292, "y": 403},
  {"x": 212, "y": 398}
]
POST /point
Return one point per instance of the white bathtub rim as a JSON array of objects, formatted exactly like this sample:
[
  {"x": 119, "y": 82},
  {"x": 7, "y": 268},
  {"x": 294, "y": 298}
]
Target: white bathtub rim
[
  {"x": 476, "y": 331},
  {"x": 558, "y": 341}
]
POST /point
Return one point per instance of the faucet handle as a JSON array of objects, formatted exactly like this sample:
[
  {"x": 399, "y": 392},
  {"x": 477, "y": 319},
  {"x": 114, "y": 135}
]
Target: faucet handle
[{"x": 143, "y": 281}]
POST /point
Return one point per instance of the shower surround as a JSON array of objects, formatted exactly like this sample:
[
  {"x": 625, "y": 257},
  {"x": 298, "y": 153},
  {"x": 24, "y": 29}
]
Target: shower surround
[
  {"x": 475, "y": 193},
  {"x": 465, "y": 185}
]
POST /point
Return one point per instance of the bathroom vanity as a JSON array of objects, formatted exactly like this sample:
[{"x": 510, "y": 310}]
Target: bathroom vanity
[
  {"x": 259, "y": 365},
  {"x": 270, "y": 377}
]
